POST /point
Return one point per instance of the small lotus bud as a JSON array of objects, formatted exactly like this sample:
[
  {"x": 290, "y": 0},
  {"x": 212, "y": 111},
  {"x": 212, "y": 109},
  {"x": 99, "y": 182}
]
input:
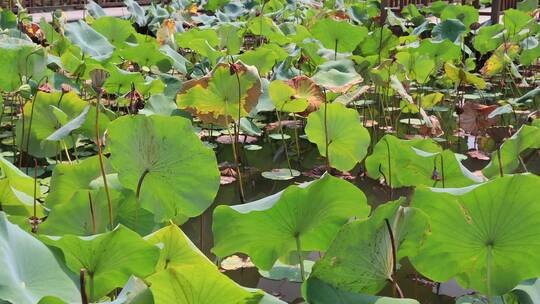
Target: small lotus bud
[
  {"x": 66, "y": 88},
  {"x": 25, "y": 90}
]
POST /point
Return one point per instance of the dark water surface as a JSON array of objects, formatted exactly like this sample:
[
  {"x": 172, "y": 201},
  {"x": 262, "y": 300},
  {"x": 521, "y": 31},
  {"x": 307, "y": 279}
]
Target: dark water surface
[{"x": 258, "y": 187}]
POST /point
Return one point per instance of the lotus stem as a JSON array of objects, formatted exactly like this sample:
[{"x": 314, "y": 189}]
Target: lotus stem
[
  {"x": 138, "y": 194},
  {"x": 326, "y": 142},
  {"x": 235, "y": 141},
  {"x": 284, "y": 143},
  {"x": 394, "y": 260},
  {"x": 335, "y": 50},
  {"x": 67, "y": 152},
  {"x": 300, "y": 259},
  {"x": 488, "y": 272},
  {"x": 92, "y": 213},
  {"x": 389, "y": 181},
  {"x": 82, "y": 282},
  {"x": 102, "y": 166},
  {"x": 499, "y": 159},
  {"x": 296, "y": 139}
]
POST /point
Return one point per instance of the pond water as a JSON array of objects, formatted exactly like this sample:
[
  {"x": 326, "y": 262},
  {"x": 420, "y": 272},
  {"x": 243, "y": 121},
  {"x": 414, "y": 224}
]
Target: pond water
[{"x": 256, "y": 187}]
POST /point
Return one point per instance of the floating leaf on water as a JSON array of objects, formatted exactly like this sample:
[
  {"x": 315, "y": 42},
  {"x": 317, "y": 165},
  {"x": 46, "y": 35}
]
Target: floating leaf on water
[
  {"x": 253, "y": 147},
  {"x": 281, "y": 174},
  {"x": 278, "y": 136}
]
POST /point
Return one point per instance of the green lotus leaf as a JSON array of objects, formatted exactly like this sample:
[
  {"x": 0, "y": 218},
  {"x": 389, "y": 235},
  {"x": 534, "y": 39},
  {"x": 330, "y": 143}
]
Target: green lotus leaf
[
  {"x": 264, "y": 57},
  {"x": 379, "y": 42},
  {"x": 159, "y": 104},
  {"x": 530, "y": 51},
  {"x": 134, "y": 292},
  {"x": 440, "y": 51},
  {"x": 298, "y": 214},
  {"x": 120, "y": 82},
  {"x": 489, "y": 38},
  {"x": 341, "y": 36},
  {"x": 8, "y": 19},
  {"x": 185, "y": 275},
  {"x": 163, "y": 158},
  {"x": 29, "y": 269},
  {"x": 20, "y": 58},
  {"x": 44, "y": 112},
  {"x": 528, "y": 292},
  {"x": 87, "y": 213},
  {"x": 89, "y": 40},
  {"x": 137, "y": 12},
  {"x": 466, "y": 14},
  {"x": 477, "y": 232},
  {"x": 458, "y": 75},
  {"x": 116, "y": 30},
  {"x": 319, "y": 292},
  {"x": 404, "y": 163},
  {"x": 198, "y": 40},
  {"x": 347, "y": 139},
  {"x": 527, "y": 137},
  {"x": 17, "y": 191},
  {"x": 337, "y": 76},
  {"x": 264, "y": 26},
  {"x": 282, "y": 95},
  {"x": 109, "y": 258},
  {"x": 146, "y": 54},
  {"x": 514, "y": 21},
  {"x": 94, "y": 9},
  {"x": 230, "y": 38},
  {"x": 360, "y": 260},
  {"x": 451, "y": 29},
  {"x": 67, "y": 179},
  {"x": 215, "y": 98}
]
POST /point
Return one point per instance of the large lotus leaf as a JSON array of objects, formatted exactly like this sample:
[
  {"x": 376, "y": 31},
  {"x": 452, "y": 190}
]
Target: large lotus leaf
[
  {"x": 45, "y": 113},
  {"x": 319, "y": 292},
  {"x": 146, "y": 54},
  {"x": 379, "y": 42},
  {"x": 347, "y": 139},
  {"x": 283, "y": 97},
  {"x": 116, "y": 30},
  {"x": 312, "y": 214},
  {"x": 340, "y": 36},
  {"x": 69, "y": 178},
  {"x": 530, "y": 51},
  {"x": 514, "y": 21},
  {"x": 18, "y": 58},
  {"x": 415, "y": 162},
  {"x": 230, "y": 38},
  {"x": 527, "y": 137},
  {"x": 337, "y": 76},
  {"x": 451, "y": 29},
  {"x": 185, "y": 275},
  {"x": 178, "y": 61},
  {"x": 360, "y": 259},
  {"x": 87, "y": 213},
  {"x": 441, "y": 51},
  {"x": 489, "y": 38},
  {"x": 264, "y": 26},
  {"x": 159, "y": 104},
  {"x": 264, "y": 57},
  {"x": 162, "y": 155},
  {"x": 460, "y": 76},
  {"x": 398, "y": 163},
  {"x": 134, "y": 292},
  {"x": 109, "y": 258},
  {"x": 17, "y": 191},
  {"x": 29, "y": 269},
  {"x": 466, "y": 14},
  {"x": 89, "y": 40},
  {"x": 215, "y": 98},
  {"x": 487, "y": 235},
  {"x": 120, "y": 82},
  {"x": 137, "y": 12}
]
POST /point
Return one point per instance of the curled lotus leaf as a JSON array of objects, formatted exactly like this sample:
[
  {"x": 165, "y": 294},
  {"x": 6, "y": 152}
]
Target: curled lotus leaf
[{"x": 220, "y": 96}]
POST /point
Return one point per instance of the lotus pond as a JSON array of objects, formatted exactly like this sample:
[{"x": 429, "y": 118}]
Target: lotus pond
[{"x": 270, "y": 152}]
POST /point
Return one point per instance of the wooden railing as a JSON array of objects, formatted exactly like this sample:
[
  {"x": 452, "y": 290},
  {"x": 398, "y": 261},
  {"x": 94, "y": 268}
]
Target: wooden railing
[{"x": 50, "y": 5}]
